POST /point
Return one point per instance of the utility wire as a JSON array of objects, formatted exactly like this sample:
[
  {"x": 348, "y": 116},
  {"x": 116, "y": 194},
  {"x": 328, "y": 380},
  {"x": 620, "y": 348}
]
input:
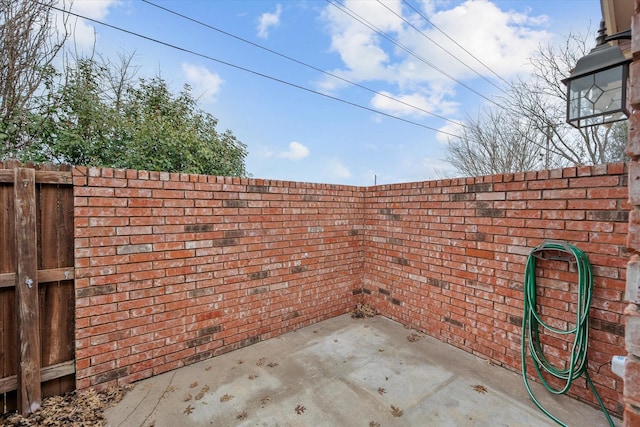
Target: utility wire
[
  {"x": 297, "y": 61},
  {"x": 457, "y": 44},
  {"x": 201, "y": 55},
  {"x": 375, "y": 29},
  {"x": 441, "y": 47}
]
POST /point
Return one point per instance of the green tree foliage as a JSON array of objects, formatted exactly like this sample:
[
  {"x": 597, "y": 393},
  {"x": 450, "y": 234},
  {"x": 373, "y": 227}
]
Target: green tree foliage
[
  {"x": 163, "y": 132},
  {"x": 141, "y": 125},
  {"x": 95, "y": 113}
]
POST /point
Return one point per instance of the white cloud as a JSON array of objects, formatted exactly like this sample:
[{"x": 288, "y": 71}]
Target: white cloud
[
  {"x": 204, "y": 82},
  {"x": 93, "y": 9},
  {"x": 502, "y": 39},
  {"x": 449, "y": 128},
  {"x": 416, "y": 104},
  {"x": 338, "y": 170},
  {"x": 83, "y": 34},
  {"x": 267, "y": 21},
  {"x": 358, "y": 46},
  {"x": 295, "y": 152}
]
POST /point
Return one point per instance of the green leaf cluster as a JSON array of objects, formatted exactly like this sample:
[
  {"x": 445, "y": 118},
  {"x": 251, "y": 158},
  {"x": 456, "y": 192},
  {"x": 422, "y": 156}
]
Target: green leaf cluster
[{"x": 93, "y": 115}]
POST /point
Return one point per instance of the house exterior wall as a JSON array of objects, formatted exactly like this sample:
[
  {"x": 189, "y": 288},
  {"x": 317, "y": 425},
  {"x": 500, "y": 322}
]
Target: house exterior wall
[
  {"x": 172, "y": 269},
  {"x": 632, "y": 312}
]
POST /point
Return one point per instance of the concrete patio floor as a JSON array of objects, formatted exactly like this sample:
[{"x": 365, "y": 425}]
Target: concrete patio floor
[{"x": 344, "y": 372}]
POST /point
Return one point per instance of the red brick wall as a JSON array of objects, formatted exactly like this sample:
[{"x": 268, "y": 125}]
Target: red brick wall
[
  {"x": 632, "y": 313},
  {"x": 172, "y": 269},
  {"x": 448, "y": 258}
]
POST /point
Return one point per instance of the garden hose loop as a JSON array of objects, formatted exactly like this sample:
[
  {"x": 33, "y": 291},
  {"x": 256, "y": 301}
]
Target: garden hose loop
[{"x": 533, "y": 325}]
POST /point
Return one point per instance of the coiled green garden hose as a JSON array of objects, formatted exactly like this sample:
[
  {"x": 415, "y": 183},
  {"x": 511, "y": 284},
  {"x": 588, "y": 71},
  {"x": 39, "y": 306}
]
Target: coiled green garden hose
[{"x": 532, "y": 324}]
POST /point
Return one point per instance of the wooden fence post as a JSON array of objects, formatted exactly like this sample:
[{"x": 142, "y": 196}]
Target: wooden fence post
[{"x": 29, "y": 394}]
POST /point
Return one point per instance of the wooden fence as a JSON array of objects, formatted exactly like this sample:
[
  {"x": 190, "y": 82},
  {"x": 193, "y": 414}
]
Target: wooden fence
[{"x": 37, "y": 299}]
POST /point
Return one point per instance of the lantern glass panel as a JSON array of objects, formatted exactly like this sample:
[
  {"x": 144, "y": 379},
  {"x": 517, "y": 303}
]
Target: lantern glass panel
[{"x": 597, "y": 98}]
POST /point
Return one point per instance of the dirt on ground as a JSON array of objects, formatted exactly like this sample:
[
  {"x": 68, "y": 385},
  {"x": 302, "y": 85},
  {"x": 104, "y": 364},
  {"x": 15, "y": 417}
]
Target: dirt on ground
[{"x": 75, "y": 409}]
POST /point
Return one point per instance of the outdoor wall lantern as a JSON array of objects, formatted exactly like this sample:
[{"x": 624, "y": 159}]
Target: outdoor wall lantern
[{"x": 597, "y": 86}]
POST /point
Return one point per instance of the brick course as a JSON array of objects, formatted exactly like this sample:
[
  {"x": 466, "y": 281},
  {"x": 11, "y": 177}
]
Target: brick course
[
  {"x": 448, "y": 258},
  {"x": 172, "y": 269},
  {"x": 632, "y": 311}
]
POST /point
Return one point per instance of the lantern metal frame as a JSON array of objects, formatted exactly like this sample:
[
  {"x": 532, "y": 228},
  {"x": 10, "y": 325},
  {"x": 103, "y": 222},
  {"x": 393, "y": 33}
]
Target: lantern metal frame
[{"x": 597, "y": 86}]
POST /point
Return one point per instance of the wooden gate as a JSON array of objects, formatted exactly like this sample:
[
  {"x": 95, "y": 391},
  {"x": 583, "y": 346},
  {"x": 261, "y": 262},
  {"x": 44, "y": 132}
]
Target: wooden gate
[{"x": 37, "y": 302}]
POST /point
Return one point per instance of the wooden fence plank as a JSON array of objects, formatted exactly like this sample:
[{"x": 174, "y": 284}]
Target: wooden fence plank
[
  {"x": 8, "y": 317},
  {"x": 29, "y": 391},
  {"x": 54, "y": 285},
  {"x": 8, "y": 280},
  {"x": 42, "y": 177},
  {"x": 47, "y": 373},
  {"x": 8, "y": 327},
  {"x": 55, "y": 250},
  {"x": 9, "y": 345}
]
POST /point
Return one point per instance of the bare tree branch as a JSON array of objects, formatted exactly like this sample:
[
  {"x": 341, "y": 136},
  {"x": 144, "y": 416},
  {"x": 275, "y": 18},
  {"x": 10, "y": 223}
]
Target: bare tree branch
[
  {"x": 29, "y": 42},
  {"x": 533, "y": 120}
]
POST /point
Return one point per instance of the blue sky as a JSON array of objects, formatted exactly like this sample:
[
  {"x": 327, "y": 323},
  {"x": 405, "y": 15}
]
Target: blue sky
[{"x": 298, "y": 135}]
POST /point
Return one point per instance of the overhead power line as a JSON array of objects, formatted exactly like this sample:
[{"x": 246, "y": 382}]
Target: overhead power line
[
  {"x": 226, "y": 33},
  {"x": 238, "y": 67},
  {"x": 456, "y": 43},
  {"x": 441, "y": 47},
  {"x": 375, "y": 29}
]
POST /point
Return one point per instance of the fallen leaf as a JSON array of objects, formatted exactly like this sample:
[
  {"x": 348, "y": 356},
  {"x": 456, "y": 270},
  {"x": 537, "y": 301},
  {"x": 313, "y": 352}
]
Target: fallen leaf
[
  {"x": 188, "y": 410},
  {"x": 362, "y": 311},
  {"x": 168, "y": 390},
  {"x": 253, "y": 376},
  {"x": 272, "y": 364},
  {"x": 396, "y": 412},
  {"x": 261, "y": 361},
  {"x": 202, "y": 392},
  {"x": 374, "y": 424},
  {"x": 193, "y": 385},
  {"x": 187, "y": 397},
  {"x": 208, "y": 368},
  {"x": 265, "y": 400},
  {"x": 300, "y": 409},
  {"x": 381, "y": 350},
  {"x": 242, "y": 415},
  {"x": 86, "y": 406},
  {"x": 413, "y": 337},
  {"x": 381, "y": 390},
  {"x": 226, "y": 398},
  {"x": 480, "y": 388}
]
